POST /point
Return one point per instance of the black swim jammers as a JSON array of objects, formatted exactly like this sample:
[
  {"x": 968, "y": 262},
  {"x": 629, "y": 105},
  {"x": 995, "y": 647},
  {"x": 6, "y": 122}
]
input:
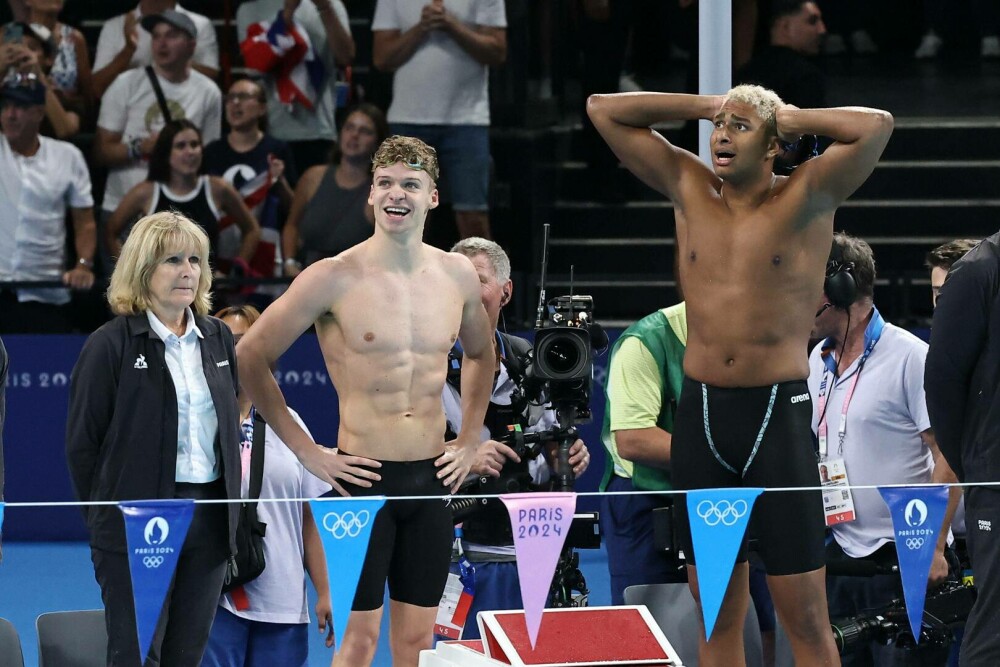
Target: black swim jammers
[
  {"x": 753, "y": 437},
  {"x": 410, "y": 545}
]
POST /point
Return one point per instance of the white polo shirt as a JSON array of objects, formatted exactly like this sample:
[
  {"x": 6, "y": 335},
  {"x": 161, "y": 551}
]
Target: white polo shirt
[{"x": 882, "y": 445}]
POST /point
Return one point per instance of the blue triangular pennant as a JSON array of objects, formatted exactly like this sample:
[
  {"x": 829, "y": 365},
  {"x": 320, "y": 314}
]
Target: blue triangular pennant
[
  {"x": 917, "y": 514},
  {"x": 718, "y": 519},
  {"x": 155, "y": 532},
  {"x": 344, "y": 525}
]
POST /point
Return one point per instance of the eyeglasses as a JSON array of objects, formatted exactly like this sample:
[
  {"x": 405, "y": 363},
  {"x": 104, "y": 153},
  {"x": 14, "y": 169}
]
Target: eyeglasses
[
  {"x": 240, "y": 97},
  {"x": 24, "y": 80}
]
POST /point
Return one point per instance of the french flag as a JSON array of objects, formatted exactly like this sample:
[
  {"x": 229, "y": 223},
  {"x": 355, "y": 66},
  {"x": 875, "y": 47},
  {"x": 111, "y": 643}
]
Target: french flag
[{"x": 284, "y": 51}]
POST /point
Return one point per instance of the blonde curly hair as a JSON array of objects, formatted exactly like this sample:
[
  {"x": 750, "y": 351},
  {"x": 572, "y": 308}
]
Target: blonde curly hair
[{"x": 411, "y": 151}]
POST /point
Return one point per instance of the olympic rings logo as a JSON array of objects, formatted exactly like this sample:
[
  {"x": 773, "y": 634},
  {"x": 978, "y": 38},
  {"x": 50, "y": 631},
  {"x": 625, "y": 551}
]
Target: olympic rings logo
[
  {"x": 152, "y": 562},
  {"x": 723, "y": 512},
  {"x": 347, "y": 524},
  {"x": 914, "y": 543}
]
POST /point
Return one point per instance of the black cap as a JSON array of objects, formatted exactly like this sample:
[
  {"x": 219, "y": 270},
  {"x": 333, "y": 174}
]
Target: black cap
[
  {"x": 175, "y": 18},
  {"x": 23, "y": 89}
]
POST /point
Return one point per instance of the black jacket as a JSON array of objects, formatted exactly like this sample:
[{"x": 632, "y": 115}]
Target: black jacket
[
  {"x": 121, "y": 431},
  {"x": 963, "y": 365}
]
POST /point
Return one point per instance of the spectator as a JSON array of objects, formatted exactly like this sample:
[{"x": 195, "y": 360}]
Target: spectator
[
  {"x": 301, "y": 85},
  {"x": 70, "y": 71},
  {"x": 259, "y": 167},
  {"x": 441, "y": 57},
  {"x": 940, "y": 260},
  {"x": 870, "y": 417},
  {"x": 131, "y": 115},
  {"x": 153, "y": 414},
  {"x": 40, "y": 179},
  {"x": 962, "y": 400},
  {"x": 122, "y": 46},
  {"x": 266, "y": 621},
  {"x": 786, "y": 65},
  {"x": 488, "y": 540},
  {"x": 31, "y": 54},
  {"x": 330, "y": 212},
  {"x": 987, "y": 15},
  {"x": 175, "y": 183}
]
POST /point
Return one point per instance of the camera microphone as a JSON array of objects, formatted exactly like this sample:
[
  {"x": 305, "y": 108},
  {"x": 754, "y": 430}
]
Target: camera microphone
[{"x": 823, "y": 309}]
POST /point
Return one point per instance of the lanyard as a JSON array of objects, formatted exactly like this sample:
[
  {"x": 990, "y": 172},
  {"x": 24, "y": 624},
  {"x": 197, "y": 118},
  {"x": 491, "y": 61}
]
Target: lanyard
[{"x": 872, "y": 334}]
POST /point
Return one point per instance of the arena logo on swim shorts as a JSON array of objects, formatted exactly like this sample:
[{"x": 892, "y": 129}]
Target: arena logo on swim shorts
[
  {"x": 348, "y": 524},
  {"x": 800, "y": 398},
  {"x": 723, "y": 511},
  {"x": 915, "y": 513}
]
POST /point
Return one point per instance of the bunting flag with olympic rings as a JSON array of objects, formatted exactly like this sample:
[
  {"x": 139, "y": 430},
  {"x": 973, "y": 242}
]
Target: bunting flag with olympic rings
[
  {"x": 540, "y": 522},
  {"x": 718, "y": 519},
  {"x": 344, "y": 525},
  {"x": 917, "y": 517},
  {"x": 154, "y": 532}
]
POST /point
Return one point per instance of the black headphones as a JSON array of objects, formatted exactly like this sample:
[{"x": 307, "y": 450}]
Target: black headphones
[{"x": 840, "y": 286}]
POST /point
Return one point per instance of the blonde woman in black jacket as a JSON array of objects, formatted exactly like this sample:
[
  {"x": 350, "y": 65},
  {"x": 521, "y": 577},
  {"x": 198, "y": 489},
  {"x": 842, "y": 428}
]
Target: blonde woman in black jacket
[{"x": 153, "y": 414}]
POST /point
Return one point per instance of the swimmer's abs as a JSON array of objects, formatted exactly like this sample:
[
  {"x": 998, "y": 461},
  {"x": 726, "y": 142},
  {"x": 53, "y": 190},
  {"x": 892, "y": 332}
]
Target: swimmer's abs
[
  {"x": 394, "y": 437},
  {"x": 747, "y": 365}
]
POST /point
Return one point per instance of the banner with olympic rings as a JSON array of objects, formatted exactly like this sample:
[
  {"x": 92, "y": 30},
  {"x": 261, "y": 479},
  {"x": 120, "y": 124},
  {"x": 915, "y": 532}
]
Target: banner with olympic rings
[
  {"x": 155, "y": 532},
  {"x": 344, "y": 525},
  {"x": 917, "y": 517},
  {"x": 718, "y": 519},
  {"x": 540, "y": 522}
]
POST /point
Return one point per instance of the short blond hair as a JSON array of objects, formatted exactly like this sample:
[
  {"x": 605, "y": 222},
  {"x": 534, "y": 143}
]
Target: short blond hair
[
  {"x": 410, "y": 151},
  {"x": 149, "y": 242},
  {"x": 765, "y": 102}
]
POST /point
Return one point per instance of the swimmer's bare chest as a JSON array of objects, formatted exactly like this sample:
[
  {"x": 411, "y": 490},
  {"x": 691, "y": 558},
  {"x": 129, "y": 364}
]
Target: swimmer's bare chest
[{"x": 751, "y": 284}]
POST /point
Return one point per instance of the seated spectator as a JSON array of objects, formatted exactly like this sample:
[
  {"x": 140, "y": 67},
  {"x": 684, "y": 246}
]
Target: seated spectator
[
  {"x": 40, "y": 178},
  {"x": 30, "y": 53},
  {"x": 122, "y": 46},
  {"x": 258, "y": 166},
  {"x": 786, "y": 65},
  {"x": 175, "y": 183},
  {"x": 70, "y": 73},
  {"x": 266, "y": 621},
  {"x": 132, "y": 116},
  {"x": 330, "y": 212},
  {"x": 301, "y": 86}
]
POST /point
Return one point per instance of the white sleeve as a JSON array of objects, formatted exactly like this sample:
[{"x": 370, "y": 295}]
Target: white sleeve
[
  {"x": 913, "y": 385},
  {"x": 114, "y": 102},
  {"x": 342, "y": 16},
  {"x": 109, "y": 42},
  {"x": 490, "y": 13},
  {"x": 79, "y": 195},
  {"x": 386, "y": 17},
  {"x": 206, "y": 51}
]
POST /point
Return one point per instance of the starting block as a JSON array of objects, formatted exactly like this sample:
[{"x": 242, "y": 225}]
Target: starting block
[{"x": 574, "y": 637}]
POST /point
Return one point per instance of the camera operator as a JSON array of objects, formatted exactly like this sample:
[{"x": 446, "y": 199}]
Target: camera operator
[
  {"x": 488, "y": 542},
  {"x": 964, "y": 405},
  {"x": 870, "y": 417}
]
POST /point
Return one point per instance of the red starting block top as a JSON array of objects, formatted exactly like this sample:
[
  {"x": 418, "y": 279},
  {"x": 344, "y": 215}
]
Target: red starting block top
[{"x": 578, "y": 637}]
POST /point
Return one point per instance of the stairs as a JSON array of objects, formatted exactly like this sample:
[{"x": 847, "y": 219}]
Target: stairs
[{"x": 918, "y": 197}]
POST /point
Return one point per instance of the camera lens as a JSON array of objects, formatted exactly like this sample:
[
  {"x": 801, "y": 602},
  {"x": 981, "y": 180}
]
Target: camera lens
[{"x": 563, "y": 355}]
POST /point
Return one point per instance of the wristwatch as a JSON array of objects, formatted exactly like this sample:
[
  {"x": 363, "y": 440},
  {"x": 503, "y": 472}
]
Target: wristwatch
[{"x": 86, "y": 263}]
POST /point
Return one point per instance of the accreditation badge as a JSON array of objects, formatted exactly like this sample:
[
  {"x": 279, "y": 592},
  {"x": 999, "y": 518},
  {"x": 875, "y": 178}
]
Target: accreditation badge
[{"x": 838, "y": 504}]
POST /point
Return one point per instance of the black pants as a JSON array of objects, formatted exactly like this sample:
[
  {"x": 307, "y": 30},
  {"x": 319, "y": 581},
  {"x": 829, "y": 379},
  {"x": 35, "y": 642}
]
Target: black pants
[
  {"x": 190, "y": 603},
  {"x": 31, "y": 317},
  {"x": 981, "y": 645}
]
